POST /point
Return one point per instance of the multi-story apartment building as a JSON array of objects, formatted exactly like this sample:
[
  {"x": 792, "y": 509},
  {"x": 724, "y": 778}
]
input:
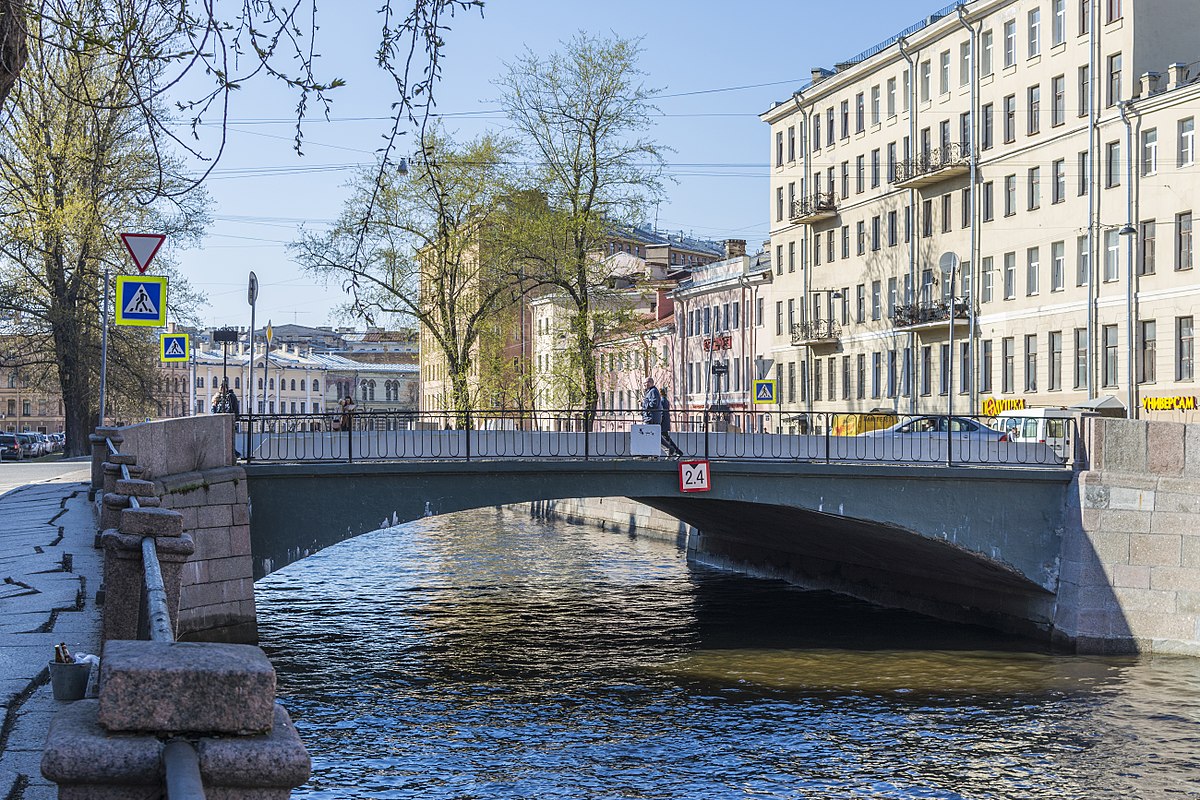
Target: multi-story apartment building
[{"x": 1043, "y": 153}]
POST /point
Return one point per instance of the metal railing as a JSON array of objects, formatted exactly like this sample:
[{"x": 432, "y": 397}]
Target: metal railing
[
  {"x": 816, "y": 330},
  {"x": 717, "y": 432},
  {"x": 817, "y": 203},
  {"x": 181, "y": 764},
  {"x": 955, "y": 154},
  {"x": 921, "y": 313}
]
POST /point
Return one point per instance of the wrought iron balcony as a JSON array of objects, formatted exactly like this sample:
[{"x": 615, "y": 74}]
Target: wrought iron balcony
[
  {"x": 815, "y": 333},
  {"x": 933, "y": 166},
  {"x": 815, "y": 207},
  {"x": 930, "y": 315}
]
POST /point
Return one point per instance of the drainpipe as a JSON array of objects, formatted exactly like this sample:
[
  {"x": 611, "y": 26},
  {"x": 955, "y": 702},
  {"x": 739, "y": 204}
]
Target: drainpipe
[
  {"x": 1130, "y": 233},
  {"x": 1093, "y": 126},
  {"x": 913, "y": 232},
  {"x": 972, "y": 258}
]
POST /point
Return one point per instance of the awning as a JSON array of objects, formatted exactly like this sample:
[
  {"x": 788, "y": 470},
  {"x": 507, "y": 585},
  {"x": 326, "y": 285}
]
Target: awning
[{"x": 1106, "y": 406}]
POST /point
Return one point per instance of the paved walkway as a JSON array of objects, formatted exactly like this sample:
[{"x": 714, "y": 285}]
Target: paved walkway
[{"x": 50, "y": 572}]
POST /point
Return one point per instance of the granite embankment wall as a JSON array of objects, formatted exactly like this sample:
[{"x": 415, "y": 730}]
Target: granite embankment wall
[
  {"x": 619, "y": 514},
  {"x": 190, "y": 460}
]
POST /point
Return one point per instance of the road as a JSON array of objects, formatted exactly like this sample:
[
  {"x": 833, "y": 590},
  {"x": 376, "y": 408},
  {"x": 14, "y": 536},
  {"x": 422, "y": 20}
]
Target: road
[{"x": 19, "y": 473}]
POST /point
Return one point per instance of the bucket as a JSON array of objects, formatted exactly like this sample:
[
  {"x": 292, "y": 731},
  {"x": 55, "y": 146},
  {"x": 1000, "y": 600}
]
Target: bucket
[{"x": 69, "y": 681}]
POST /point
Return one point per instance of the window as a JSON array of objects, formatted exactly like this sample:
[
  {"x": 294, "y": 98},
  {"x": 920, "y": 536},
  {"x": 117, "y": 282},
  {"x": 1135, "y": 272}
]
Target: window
[
  {"x": 1058, "y": 25},
  {"x": 891, "y": 99},
  {"x": 1081, "y": 358},
  {"x": 926, "y": 218},
  {"x": 1010, "y": 118},
  {"x": 876, "y": 300},
  {"x": 845, "y": 377},
  {"x": 875, "y": 231},
  {"x": 1010, "y": 43},
  {"x": 944, "y": 369},
  {"x": 845, "y": 120},
  {"x": 779, "y": 318},
  {"x": 1113, "y": 95},
  {"x": 1146, "y": 248},
  {"x": 892, "y": 298},
  {"x": 1058, "y": 192},
  {"x": 1035, "y": 187},
  {"x": 964, "y": 64},
  {"x": 965, "y": 201},
  {"x": 987, "y": 132},
  {"x": 1033, "y": 268},
  {"x": 985, "y": 365},
  {"x": 985, "y": 55},
  {"x": 1114, "y": 11},
  {"x": 875, "y": 105},
  {"x": 1054, "y": 345},
  {"x": 1112, "y": 257},
  {"x": 860, "y": 174},
  {"x": 860, "y": 303},
  {"x": 1035, "y": 32},
  {"x": 779, "y": 204},
  {"x": 1112, "y": 164},
  {"x": 925, "y": 79},
  {"x": 876, "y": 373},
  {"x": 861, "y": 375},
  {"x": 1187, "y": 142},
  {"x": 778, "y": 259},
  {"x": 1031, "y": 363},
  {"x": 779, "y": 148},
  {"x": 1083, "y": 261},
  {"x": 987, "y": 276},
  {"x": 1058, "y": 101},
  {"x": 1183, "y": 241},
  {"x": 905, "y": 88},
  {"x": 860, "y": 113},
  {"x": 989, "y": 210},
  {"x": 816, "y": 132},
  {"x": 1184, "y": 349},
  {"x": 830, "y": 246},
  {"x": 891, "y": 162},
  {"x": 1150, "y": 151},
  {"x": 947, "y": 214},
  {"x": 861, "y": 230},
  {"x": 1085, "y": 91},
  {"x": 893, "y": 231},
  {"x": 1010, "y": 276},
  {"x": 1108, "y": 336},
  {"x": 944, "y": 72},
  {"x": 845, "y": 241},
  {"x": 1147, "y": 351},
  {"x": 1010, "y": 195},
  {"x": 1035, "y": 109},
  {"x": 791, "y": 201},
  {"x": 791, "y": 137},
  {"x": 964, "y": 367},
  {"x": 926, "y": 370},
  {"x": 1085, "y": 16},
  {"x": 964, "y": 129},
  {"x": 829, "y": 120},
  {"x": 875, "y": 168},
  {"x": 1006, "y": 365},
  {"x": 791, "y": 257},
  {"x": 845, "y": 179},
  {"x": 1058, "y": 266},
  {"x": 1084, "y": 173}
]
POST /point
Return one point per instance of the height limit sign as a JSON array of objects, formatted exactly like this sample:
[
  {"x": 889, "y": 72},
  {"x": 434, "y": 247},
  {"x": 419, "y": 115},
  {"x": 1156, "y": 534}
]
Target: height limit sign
[{"x": 694, "y": 476}]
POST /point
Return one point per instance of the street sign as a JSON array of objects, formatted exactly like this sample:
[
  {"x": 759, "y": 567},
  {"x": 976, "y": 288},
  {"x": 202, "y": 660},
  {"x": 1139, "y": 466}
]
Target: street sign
[
  {"x": 765, "y": 392},
  {"x": 252, "y": 289},
  {"x": 173, "y": 347},
  {"x": 225, "y": 336},
  {"x": 270, "y": 335},
  {"x": 763, "y": 367},
  {"x": 141, "y": 301},
  {"x": 694, "y": 476},
  {"x": 142, "y": 247},
  {"x": 720, "y": 368}
]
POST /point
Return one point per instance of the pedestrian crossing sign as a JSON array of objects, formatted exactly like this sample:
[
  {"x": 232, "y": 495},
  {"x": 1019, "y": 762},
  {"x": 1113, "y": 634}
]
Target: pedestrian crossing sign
[
  {"x": 764, "y": 392},
  {"x": 173, "y": 346},
  {"x": 141, "y": 300}
]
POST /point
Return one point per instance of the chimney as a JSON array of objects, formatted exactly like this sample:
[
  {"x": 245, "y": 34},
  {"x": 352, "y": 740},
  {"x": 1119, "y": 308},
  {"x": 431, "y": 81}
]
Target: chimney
[
  {"x": 735, "y": 248},
  {"x": 819, "y": 74},
  {"x": 1148, "y": 84},
  {"x": 1177, "y": 75}
]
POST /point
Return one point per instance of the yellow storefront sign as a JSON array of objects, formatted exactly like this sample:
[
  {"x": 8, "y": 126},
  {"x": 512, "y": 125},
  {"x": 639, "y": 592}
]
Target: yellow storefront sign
[
  {"x": 1177, "y": 403},
  {"x": 992, "y": 406}
]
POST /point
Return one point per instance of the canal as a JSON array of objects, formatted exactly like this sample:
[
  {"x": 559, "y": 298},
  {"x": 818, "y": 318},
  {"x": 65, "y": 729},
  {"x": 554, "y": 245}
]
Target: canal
[{"x": 489, "y": 655}]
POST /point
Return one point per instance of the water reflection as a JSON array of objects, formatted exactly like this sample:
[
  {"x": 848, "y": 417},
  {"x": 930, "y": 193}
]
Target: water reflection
[{"x": 489, "y": 655}]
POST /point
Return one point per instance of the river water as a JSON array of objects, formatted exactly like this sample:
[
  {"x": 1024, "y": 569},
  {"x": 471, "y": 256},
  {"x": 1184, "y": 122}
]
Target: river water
[{"x": 489, "y": 655}]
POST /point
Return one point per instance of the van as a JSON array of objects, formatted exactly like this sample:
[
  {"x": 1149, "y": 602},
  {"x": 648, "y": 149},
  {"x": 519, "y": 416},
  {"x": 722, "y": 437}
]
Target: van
[{"x": 1049, "y": 426}]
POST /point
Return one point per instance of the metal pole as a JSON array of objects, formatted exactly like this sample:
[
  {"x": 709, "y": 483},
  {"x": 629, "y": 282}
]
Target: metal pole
[
  {"x": 950, "y": 379},
  {"x": 1130, "y": 233},
  {"x": 104, "y": 349},
  {"x": 249, "y": 453},
  {"x": 973, "y": 257},
  {"x": 1093, "y": 126}
]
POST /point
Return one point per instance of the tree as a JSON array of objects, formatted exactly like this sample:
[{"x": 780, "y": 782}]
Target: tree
[
  {"x": 580, "y": 113},
  {"x": 72, "y": 176},
  {"x": 426, "y": 251}
]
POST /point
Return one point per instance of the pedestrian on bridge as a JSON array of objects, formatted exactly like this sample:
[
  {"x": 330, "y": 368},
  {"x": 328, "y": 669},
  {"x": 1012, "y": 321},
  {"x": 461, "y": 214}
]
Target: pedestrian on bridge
[{"x": 656, "y": 411}]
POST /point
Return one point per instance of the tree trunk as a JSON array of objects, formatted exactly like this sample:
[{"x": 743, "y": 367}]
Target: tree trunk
[
  {"x": 13, "y": 46},
  {"x": 73, "y": 373}
]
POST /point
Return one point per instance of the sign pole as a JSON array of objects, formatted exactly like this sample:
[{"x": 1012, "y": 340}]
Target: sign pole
[
  {"x": 252, "y": 296},
  {"x": 104, "y": 349}
]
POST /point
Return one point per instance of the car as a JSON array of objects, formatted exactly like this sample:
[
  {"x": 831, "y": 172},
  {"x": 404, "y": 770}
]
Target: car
[
  {"x": 1049, "y": 426},
  {"x": 29, "y": 448},
  {"x": 964, "y": 427},
  {"x": 10, "y": 447}
]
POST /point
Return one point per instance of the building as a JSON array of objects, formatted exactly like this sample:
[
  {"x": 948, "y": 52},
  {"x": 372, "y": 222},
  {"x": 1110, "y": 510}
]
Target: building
[{"x": 993, "y": 208}]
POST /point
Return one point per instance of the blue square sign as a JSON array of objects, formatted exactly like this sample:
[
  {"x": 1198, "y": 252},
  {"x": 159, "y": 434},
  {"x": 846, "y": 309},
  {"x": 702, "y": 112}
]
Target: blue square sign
[{"x": 141, "y": 300}]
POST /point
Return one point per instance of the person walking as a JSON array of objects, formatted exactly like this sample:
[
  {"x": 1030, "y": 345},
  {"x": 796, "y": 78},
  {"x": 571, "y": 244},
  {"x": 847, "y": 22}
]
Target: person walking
[
  {"x": 653, "y": 414},
  {"x": 672, "y": 449}
]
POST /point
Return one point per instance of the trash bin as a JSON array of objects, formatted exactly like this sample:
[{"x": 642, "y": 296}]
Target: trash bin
[{"x": 69, "y": 681}]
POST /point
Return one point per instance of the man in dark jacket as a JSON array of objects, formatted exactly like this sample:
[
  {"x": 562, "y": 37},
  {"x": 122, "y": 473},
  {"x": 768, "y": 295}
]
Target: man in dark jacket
[{"x": 655, "y": 412}]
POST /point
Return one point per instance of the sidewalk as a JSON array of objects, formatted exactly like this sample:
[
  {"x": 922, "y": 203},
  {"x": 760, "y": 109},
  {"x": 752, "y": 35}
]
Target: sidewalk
[{"x": 50, "y": 572}]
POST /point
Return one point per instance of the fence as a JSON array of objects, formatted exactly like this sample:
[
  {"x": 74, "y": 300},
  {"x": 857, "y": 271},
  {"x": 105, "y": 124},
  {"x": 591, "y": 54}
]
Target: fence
[{"x": 718, "y": 432}]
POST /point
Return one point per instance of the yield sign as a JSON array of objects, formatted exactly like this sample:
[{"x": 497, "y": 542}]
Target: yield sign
[{"x": 142, "y": 247}]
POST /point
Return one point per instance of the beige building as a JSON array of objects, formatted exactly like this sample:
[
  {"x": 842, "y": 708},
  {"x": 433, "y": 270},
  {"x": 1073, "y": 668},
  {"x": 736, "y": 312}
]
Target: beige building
[{"x": 994, "y": 140}]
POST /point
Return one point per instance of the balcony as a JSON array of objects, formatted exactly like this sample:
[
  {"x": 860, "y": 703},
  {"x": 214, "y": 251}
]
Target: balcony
[
  {"x": 934, "y": 166},
  {"x": 927, "y": 316},
  {"x": 816, "y": 333},
  {"x": 814, "y": 208}
]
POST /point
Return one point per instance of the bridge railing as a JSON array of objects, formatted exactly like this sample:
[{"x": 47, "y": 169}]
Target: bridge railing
[{"x": 718, "y": 433}]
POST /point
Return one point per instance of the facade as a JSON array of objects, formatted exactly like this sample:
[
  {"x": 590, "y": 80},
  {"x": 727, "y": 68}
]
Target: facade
[
  {"x": 30, "y": 405},
  {"x": 991, "y": 210}
]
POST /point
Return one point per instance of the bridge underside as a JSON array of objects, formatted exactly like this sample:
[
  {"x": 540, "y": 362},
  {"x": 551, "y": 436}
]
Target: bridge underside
[{"x": 969, "y": 544}]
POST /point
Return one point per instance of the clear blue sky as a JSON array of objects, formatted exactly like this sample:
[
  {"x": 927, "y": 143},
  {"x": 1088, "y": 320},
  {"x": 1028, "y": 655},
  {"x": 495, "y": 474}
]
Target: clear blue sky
[{"x": 718, "y": 64}]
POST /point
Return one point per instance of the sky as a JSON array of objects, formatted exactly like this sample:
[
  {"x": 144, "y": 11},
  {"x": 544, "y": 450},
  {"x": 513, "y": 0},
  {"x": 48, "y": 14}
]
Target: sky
[{"x": 717, "y": 64}]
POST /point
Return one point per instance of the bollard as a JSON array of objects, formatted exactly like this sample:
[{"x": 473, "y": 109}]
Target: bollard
[
  {"x": 100, "y": 455},
  {"x": 124, "y": 572}
]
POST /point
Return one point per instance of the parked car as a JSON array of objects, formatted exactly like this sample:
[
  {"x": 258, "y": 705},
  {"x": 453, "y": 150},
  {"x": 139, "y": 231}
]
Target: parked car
[
  {"x": 1048, "y": 426},
  {"x": 29, "y": 447},
  {"x": 964, "y": 427},
  {"x": 10, "y": 447}
]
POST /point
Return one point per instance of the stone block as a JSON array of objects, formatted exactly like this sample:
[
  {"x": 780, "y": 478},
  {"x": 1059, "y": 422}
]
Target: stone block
[
  {"x": 1176, "y": 503},
  {"x": 1182, "y": 524},
  {"x": 1131, "y": 599},
  {"x": 238, "y": 590},
  {"x": 1096, "y": 496},
  {"x": 241, "y": 514},
  {"x": 1125, "y": 446},
  {"x": 1188, "y": 602},
  {"x": 151, "y": 522},
  {"x": 213, "y": 543},
  {"x": 1127, "y": 521},
  {"x": 200, "y": 595},
  {"x": 1122, "y": 498},
  {"x": 1111, "y": 547},
  {"x": 1191, "y": 451},
  {"x": 1180, "y": 485},
  {"x": 1127, "y": 480},
  {"x": 1174, "y": 578},
  {"x": 185, "y": 687},
  {"x": 230, "y": 569},
  {"x": 1165, "y": 448},
  {"x": 135, "y": 487},
  {"x": 1129, "y": 576},
  {"x": 1155, "y": 550},
  {"x": 221, "y": 494},
  {"x": 1152, "y": 625},
  {"x": 1095, "y": 623},
  {"x": 239, "y": 539},
  {"x": 1191, "y": 552},
  {"x": 190, "y": 517},
  {"x": 214, "y": 517}
]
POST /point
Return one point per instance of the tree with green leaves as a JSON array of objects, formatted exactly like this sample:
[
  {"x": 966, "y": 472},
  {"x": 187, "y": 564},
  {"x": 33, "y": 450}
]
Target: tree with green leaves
[
  {"x": 581, "y": 114},
  {"x": 427, "y": 250}
]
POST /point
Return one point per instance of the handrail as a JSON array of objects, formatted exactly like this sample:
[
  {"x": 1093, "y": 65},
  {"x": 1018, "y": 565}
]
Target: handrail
[{"x": 182, "y": 767}]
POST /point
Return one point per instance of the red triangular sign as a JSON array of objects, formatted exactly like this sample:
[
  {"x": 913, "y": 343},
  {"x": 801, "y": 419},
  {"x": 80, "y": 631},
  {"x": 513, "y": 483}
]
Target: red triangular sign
[{"x": 142, "y": 247}]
